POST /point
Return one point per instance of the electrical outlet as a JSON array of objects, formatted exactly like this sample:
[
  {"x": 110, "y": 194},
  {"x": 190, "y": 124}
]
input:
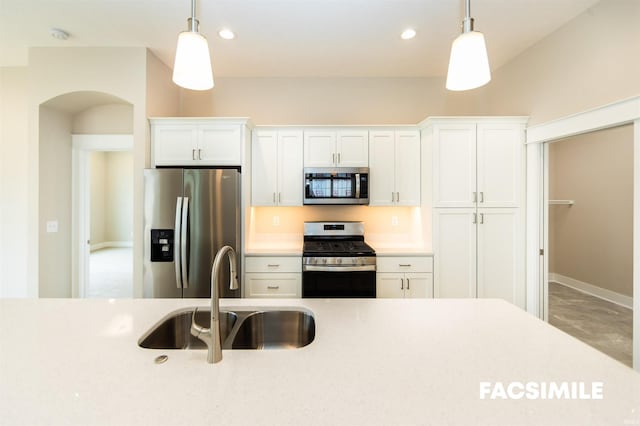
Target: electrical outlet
[
  {"x": 52, "y": 226},
  {"x": 276, "y": 221},
  {"x": 394, "y": 220}
]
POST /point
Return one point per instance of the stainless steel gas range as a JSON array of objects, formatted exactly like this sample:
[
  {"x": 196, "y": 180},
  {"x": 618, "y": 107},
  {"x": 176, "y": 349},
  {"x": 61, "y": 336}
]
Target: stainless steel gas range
[{"x": 336, "y": 262}]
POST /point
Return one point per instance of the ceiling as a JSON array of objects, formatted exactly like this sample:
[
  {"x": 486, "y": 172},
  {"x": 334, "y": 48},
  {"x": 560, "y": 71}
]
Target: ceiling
[{"x": 290, "y": 38}]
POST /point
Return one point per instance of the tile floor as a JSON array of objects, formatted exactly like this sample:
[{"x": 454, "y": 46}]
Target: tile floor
[
  {"x": 598, "y": 323},
  {"x": 111, "y": 273}
]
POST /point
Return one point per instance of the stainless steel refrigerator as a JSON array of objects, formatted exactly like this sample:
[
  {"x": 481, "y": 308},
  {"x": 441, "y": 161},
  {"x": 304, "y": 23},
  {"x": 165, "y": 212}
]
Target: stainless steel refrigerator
[{"x": 189, "y": 214}]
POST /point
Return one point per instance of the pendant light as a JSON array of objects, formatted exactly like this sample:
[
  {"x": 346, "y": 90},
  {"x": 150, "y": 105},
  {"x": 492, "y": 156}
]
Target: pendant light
[
  {"x": 192, "y": 67},
  {"x": 468, "y": 63}
]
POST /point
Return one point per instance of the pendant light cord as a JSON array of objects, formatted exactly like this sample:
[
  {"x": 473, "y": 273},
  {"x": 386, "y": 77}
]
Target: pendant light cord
[
  {"x": 193, "y": 22},
  {"x": 467, "y": 23}
]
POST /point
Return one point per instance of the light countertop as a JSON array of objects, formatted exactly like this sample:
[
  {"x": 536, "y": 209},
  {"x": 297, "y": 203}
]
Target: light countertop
[{"x": 373, "y": 362}]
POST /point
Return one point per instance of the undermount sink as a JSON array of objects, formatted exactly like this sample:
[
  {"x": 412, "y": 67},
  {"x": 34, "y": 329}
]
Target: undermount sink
[
  {"x": 282, "y": 328},
  {"x": 173, "y": 331}
]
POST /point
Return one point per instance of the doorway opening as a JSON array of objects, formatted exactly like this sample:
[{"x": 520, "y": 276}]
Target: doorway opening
[
  {"x": 102, "y": 175},
  {"x": 590, "y": 239}
]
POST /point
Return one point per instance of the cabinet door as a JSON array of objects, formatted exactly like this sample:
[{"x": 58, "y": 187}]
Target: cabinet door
[
  {"x": 407, "y": 162},
  {"x": 499, "y": 162},
  {"x": 290, "y": 168},
  {"x": 264, "y": 168},
  {"x": 454, "y": 248},
  {"x": 500, "y": 255},
  {"x": 454, "y": 165},
  {"x": 174, "y": 144},
  {"x": 390, "y": 285},
  {"x": 381, "y": 168},
  {"x": 319, "y": 149},
  {"x": 219, "y": 145},
  {"x": 418, "y": 286},
  {"x": 352, "y": 148}
]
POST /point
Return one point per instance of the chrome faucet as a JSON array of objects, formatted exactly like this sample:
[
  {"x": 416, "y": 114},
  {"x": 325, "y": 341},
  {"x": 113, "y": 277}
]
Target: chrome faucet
[{"x": 212, "y": 336}]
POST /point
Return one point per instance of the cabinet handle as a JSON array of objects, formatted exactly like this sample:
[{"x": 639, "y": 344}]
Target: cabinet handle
[
  {"x": 193, "y": 154},
  {"x": 475, "y": 197},
  {"x": 333, "y": 158},
  {"x": 481, "y": 218},
  {"x": 199, "y": 154},
  {"x": 393, "y": 197},
  {"x": 481, "y": 197},
  {"x": 475, "y": 218},
  {"x": 338, "y": 158},
  {"x": 408, "y": 288},
  {"x": 279, "y": 197},
  {"x": 273, "y": 287},
  {"x": 397, "y": 197},
  {"x": 274, "y": 198},
  {"x": 404, "y": 265},
  {"x": 273, "y": 265},
  {"x": 401, "y": 283}
]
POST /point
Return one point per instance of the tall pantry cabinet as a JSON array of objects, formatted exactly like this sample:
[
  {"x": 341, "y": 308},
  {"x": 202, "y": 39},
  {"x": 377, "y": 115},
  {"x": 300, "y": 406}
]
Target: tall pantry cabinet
[{"x": 478, "y": 200}]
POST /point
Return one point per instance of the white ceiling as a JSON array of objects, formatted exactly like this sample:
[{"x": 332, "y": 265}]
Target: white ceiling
[{"x": 290, "y": 38}]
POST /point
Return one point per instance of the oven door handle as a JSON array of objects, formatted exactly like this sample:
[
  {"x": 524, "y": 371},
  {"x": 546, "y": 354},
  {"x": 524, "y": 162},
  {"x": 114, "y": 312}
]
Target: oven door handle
[{"x": 339, "y": 268}]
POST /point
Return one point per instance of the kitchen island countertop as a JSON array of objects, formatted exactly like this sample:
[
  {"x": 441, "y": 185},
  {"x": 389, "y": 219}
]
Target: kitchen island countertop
[{"x": 373, "y": 362}]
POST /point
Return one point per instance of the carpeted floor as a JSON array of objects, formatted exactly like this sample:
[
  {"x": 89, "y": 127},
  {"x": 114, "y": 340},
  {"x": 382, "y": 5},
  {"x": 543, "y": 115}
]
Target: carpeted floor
[
  {"x": 111, "y": 273},
  {"x": 598, "y": 323}
]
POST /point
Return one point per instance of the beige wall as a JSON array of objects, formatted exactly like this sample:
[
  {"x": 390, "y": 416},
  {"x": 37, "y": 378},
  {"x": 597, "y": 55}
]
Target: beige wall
[
  {"x": 329, "y": 100},
  {"x": 55, "y": 203},
  {"x": 97, "y": 167},
  {"x": 119, "y": 196},
  {"x": 111, "y": 197},
  {"x": 592, "y": 241},
  {"x": 591, "y": 61},
  {"x": 112, "y": 119},
  {"x": 14, "y": 158}
]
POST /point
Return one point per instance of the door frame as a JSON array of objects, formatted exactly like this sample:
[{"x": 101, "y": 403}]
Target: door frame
[
  {"x": 616, "y": 114},
  {"x": 81, "y": 148}
]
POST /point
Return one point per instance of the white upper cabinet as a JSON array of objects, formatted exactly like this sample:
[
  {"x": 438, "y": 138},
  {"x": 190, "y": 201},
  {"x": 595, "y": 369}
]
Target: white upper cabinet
[
  {"x": 276, "y": 168},
  {"x": 499, "y": 164},
  {"x": 196, "y": 142},
  {"x": 331, "y": 148},
  {"x": 454, "y": 165},
  {"x": 478, "y": 164},
  {"x": 394, "y": 168}
]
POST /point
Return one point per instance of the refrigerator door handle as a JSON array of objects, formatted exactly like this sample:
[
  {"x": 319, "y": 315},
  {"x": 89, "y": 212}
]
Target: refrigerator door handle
[
  {"x": 177, "y": 262},
  {"x": 183, "y": 242}
]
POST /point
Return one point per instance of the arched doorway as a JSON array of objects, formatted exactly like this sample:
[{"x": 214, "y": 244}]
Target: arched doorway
[{"x": 71, "y": 126}]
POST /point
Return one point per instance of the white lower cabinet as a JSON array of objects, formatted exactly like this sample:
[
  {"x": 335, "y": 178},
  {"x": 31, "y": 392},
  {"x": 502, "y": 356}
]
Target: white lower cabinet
[
  {"x": 479, "y": 253},
  {"x": 404, "y": 277},
  {"x": 276, "y": 277}
]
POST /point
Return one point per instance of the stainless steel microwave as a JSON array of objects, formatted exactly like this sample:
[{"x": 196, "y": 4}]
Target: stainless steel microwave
[{"x": 340, "y": 185}]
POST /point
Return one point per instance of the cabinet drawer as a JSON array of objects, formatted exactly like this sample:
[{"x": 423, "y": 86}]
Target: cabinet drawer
[
  {"x": 404, "y": 264},
  {"x": 273, "y": 285},
  {"x": 273, "y": 264}
]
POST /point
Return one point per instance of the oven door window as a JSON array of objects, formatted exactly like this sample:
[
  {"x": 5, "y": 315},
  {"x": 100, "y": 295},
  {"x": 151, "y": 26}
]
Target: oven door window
[{"x": 320, "y": 284}]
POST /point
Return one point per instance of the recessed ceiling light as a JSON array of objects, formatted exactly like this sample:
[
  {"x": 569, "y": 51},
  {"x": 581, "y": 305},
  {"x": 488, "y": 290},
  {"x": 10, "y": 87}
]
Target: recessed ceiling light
[
  {"x": 408, "y": 34},
  {"x": 59, "y": 34},
  {"x": 226, "y": 34}
]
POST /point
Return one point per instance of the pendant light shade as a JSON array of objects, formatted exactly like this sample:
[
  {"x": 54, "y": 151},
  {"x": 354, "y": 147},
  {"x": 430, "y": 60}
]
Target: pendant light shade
[
  {"x": 468, "y": 63},
  {"x": 192, "y": 66}
]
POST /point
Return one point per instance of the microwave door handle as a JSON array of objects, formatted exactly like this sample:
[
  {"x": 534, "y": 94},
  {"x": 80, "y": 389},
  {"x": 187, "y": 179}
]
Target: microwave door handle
[
  {"x": 176, "y": 242},
  {"x": 357, "y": 185}
]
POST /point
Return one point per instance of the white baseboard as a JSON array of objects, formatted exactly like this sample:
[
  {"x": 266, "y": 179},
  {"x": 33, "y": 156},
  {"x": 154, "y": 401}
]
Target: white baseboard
[
  {"x": 111, "y": 244},
  {"x": 592, "y": 290}
]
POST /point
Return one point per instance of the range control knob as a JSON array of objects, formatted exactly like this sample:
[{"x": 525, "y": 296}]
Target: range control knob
[
  {"x": 339, "y": 260},
  {"x": 324, "y": 260}
]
